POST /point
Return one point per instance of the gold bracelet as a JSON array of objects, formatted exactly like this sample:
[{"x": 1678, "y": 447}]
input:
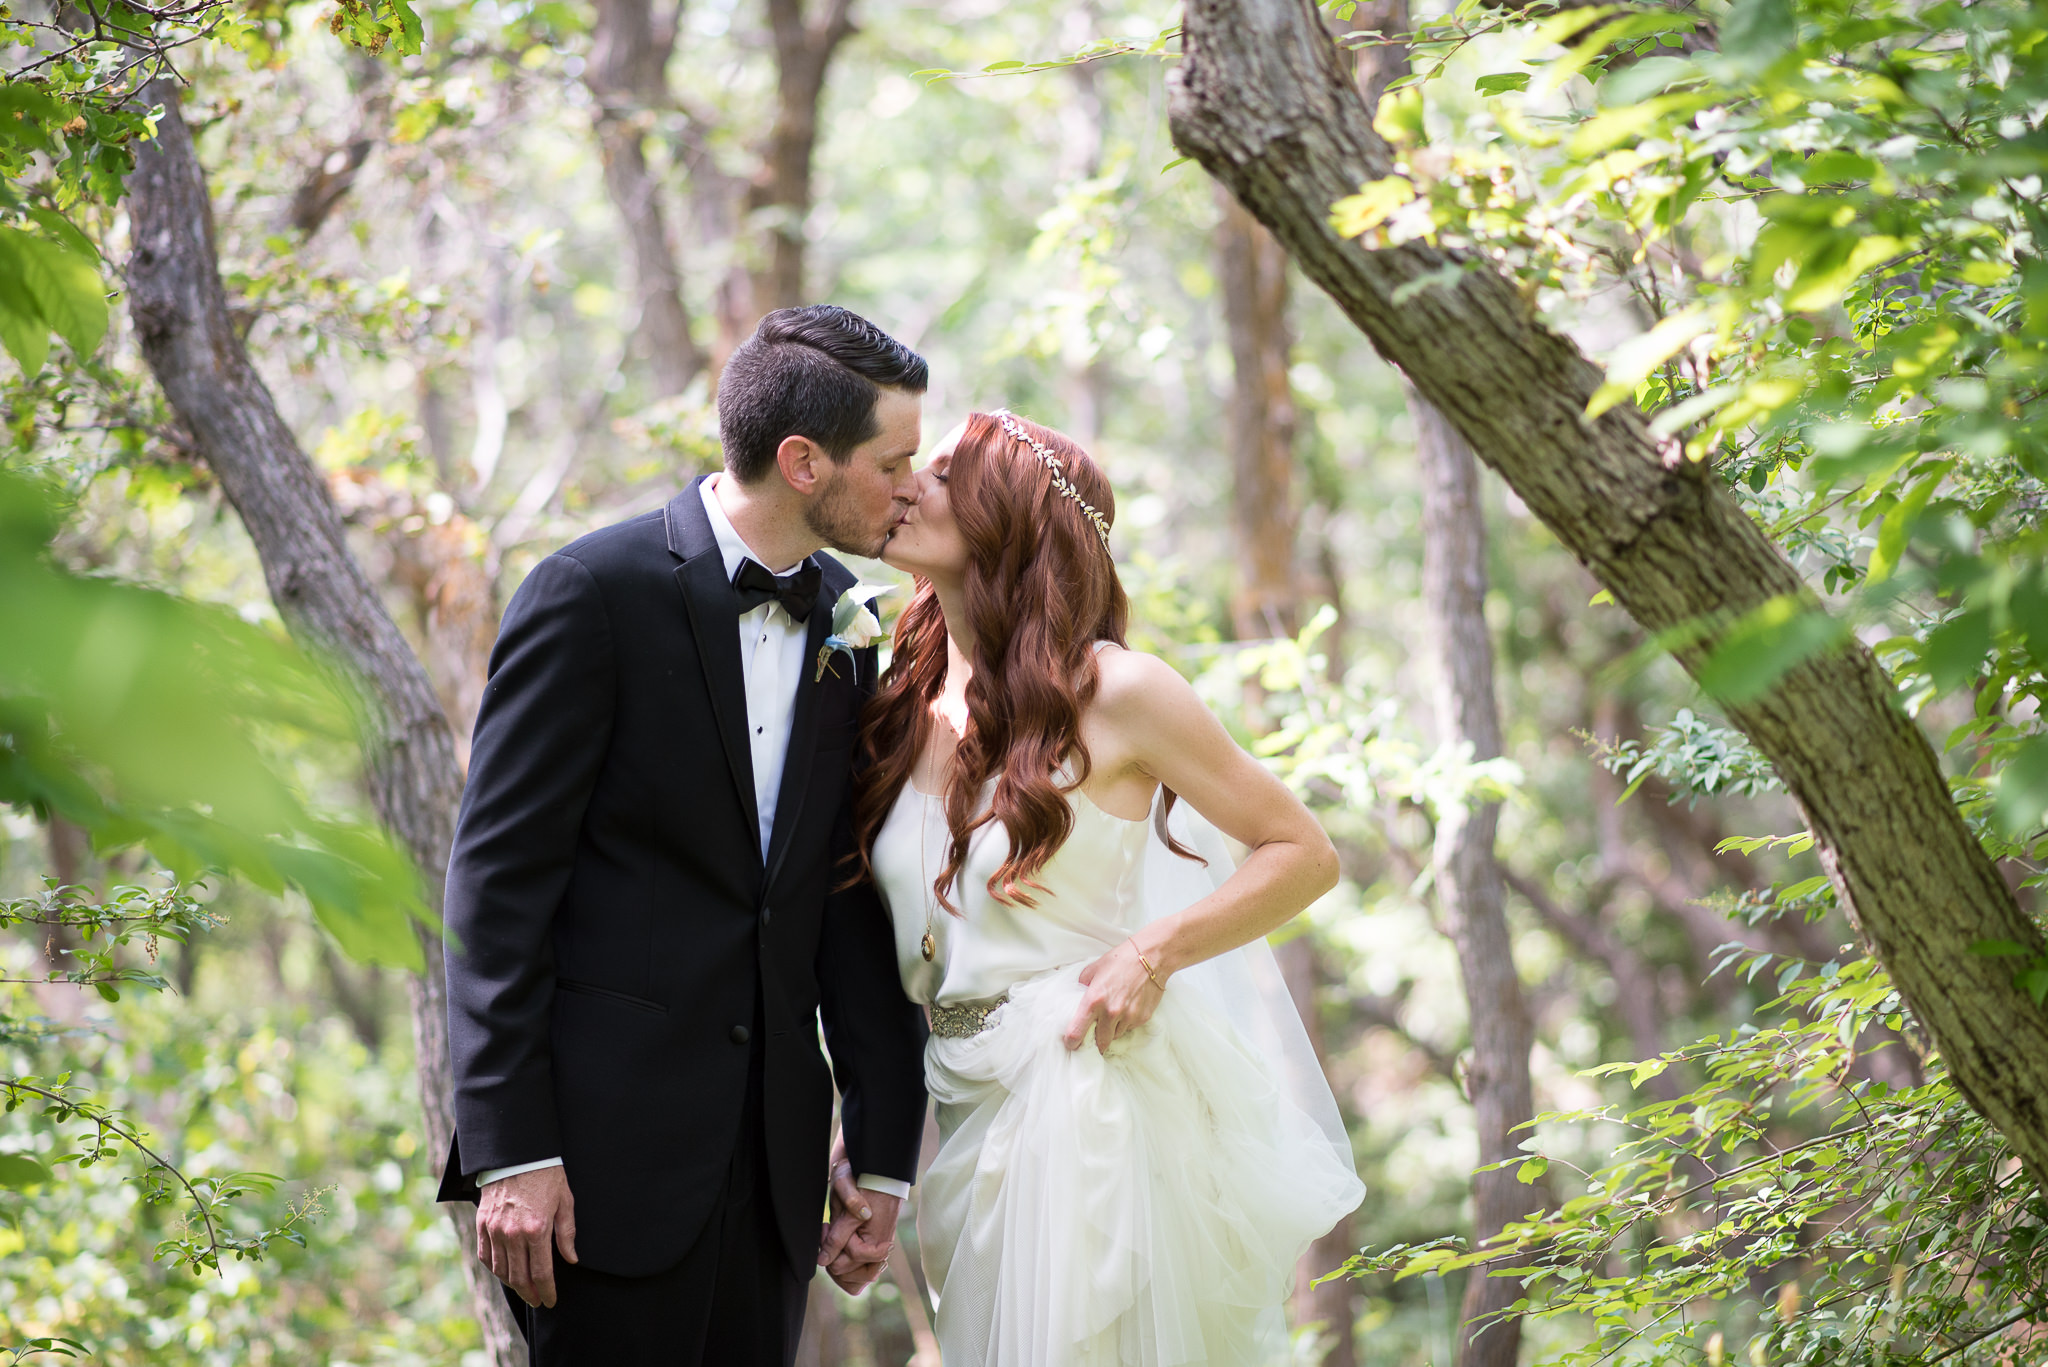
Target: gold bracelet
[{"x": 1146, "y": 966}]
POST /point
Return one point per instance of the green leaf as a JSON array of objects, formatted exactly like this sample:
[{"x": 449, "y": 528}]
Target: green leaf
[
  {"x": 1612, "y": 127},
  {"x": 2033, "y": 982},
  {"x": 22, "y": 329},
  {"x": 1756, "y": 32},
  {"x": 1532, "y": 1170},
  {"x": 2023, "y": 788},
  {"x": 2029, "y": 608},
  {"x": 65, "y": 287},
  {"x": 1955, "y": 650},
  {"x": 1759, "y": 650},
  {"x": 1504, "y": 83},
  {"x": 1366, "y": 210},
  {"x": 1632, "y": 362},
  {"x": 18, "y": 1170},
  {"x": 410, "y": 32},
  {"x": 65, "y": 231},
  {"x": 1898, "y": 524}
]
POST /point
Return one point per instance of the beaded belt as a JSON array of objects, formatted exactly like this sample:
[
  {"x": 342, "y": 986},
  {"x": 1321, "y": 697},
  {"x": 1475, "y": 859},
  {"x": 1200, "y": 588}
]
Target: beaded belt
[{"x": 963, "y": 1022}]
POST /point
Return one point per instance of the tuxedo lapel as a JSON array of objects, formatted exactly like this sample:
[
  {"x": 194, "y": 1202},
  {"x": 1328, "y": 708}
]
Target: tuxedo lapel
[
  {"x": 803, "y": 727},
  {"x": 714, "y": 621}
]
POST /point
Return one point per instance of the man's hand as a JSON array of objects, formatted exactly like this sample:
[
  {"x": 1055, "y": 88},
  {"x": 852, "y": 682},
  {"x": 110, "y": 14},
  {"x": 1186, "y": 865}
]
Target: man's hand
[
  {"x": 515, "y": 1222},
  {"x": 854, "y": 1249}
]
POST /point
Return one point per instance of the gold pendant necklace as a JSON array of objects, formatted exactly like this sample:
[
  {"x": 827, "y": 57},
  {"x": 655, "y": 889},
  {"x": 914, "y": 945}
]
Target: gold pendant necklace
[{"x": 927, "y": 946}]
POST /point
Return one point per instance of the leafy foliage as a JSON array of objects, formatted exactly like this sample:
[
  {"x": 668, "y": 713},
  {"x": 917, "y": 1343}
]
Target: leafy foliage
[
  {"x": 139, "y": 716},
  {"x": 1828, "y": 222},
  {"x": 1880, "y": 1223},
  {"x": 98, "y": 1133}
]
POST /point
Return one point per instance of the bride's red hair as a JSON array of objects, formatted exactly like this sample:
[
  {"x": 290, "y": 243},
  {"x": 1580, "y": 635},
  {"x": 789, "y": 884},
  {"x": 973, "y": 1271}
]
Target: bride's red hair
[{"x": 1041, "y": 590}]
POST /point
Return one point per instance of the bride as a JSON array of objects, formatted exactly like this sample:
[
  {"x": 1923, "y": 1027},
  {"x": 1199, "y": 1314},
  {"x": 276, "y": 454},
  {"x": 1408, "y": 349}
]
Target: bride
[{"x": 1135, "y": 1144}]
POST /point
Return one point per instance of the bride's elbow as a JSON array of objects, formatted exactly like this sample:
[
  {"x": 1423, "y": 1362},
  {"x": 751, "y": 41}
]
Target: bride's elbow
[{"x": 1322, "y": 866}]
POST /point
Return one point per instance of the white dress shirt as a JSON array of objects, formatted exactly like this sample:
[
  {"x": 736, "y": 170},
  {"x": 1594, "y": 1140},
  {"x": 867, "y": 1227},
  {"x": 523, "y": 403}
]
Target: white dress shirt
[{"x": 771, "y": 661}]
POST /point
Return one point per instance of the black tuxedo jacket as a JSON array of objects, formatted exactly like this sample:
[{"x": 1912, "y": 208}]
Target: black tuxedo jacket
[{"x": 612, "y": 928}]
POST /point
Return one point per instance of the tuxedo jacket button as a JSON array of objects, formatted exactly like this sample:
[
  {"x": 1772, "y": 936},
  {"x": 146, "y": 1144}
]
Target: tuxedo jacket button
[{"x": 740, "y": 1034}]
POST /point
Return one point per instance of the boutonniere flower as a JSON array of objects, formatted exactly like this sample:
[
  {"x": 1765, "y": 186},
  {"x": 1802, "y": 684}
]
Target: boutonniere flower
[{"x": 854, "y": 627}]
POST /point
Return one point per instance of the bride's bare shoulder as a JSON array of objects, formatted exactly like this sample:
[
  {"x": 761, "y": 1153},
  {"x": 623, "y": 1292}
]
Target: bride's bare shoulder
[{"x": 1131, "y": 680}]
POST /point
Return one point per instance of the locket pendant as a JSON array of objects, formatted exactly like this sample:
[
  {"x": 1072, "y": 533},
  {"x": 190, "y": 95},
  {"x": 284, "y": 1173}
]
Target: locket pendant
[{"x": 927, "y": 946}]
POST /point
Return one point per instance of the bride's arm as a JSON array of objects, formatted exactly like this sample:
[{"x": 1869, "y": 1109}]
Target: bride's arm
[{"x": 1146, "y": 725}]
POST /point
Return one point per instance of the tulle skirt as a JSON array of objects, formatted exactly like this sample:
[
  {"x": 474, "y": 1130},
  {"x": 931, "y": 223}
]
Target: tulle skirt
[{"x": 1141, "y": 1210}]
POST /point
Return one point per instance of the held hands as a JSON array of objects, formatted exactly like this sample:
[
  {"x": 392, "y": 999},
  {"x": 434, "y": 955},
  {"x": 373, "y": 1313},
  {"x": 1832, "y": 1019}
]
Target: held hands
[
  {"x": 854, "y": 1248},
  {"x": 515, "y": 1222},
  {"x": 1121, "y": 991}
]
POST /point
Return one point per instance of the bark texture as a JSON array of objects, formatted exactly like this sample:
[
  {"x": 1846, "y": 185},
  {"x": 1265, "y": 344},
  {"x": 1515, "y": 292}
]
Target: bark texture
[
  {"x": 1468, "y": 877},
  {"x": 181, "y": 318},
  {"x": 1265, "y": 103},
  {"x": 1467, "y": 874},
  {"x": 627, "y": 76}
]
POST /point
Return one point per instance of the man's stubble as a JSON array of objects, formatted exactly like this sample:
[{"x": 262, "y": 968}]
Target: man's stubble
[{"x": 831, "y": 518}]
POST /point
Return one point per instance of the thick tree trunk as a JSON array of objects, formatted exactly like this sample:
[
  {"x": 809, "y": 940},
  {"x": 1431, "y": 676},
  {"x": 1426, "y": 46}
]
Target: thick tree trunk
[
  {"x": 181, "y": 317},
  {"x": 452, "y": 593},
  {"x": 1264, "y": 101},
  {"x": 1468, "y": 877},
  {"x": 627, "y": 75}
]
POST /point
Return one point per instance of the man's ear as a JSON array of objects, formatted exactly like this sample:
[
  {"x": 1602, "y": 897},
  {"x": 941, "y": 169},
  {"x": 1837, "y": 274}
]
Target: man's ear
[{"x": 801, "y": 464}]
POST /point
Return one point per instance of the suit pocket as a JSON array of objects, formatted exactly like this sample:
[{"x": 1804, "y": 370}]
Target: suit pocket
[{"x": 624, "y": 998}]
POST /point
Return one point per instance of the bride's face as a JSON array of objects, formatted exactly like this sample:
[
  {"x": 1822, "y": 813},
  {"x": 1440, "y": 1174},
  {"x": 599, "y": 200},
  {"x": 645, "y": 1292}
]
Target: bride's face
[{"x": 928, "y": 540}]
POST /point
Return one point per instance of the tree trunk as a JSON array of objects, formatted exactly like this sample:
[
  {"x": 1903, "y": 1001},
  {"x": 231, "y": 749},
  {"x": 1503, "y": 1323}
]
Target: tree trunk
[
  {"x": 1468, "y": 878},
  {"x": 1253, "y": 268},
  {"x": 1253, "y": 271},
  {"x": 627, "y": 75},
  {"x": 1263, "y": 100},
  {"x": 181, "y": 317},
  {"x": 779, "y": 200}
]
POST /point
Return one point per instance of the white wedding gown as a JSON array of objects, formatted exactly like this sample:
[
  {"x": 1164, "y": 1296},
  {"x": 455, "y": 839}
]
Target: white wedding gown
[{"x": 1140, "y": 1210}]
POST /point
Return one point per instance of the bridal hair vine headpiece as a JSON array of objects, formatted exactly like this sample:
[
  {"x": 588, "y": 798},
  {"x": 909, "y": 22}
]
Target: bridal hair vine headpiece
[{"x": 1008, "y": 422}]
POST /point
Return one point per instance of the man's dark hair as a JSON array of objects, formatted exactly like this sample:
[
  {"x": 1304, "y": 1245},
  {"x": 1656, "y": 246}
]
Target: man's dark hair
[{"x": 811, "y": 372}]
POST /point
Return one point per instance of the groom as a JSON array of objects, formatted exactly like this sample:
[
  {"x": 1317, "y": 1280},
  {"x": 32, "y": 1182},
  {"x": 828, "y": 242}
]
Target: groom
[{"x": 643, "y": 926}]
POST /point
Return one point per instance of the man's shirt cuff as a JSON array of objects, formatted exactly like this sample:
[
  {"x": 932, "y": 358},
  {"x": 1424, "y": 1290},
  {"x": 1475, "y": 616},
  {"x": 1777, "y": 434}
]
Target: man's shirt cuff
[
  {"x": 490, "y": 1175},
  {"x": 888, "y": 1186}
]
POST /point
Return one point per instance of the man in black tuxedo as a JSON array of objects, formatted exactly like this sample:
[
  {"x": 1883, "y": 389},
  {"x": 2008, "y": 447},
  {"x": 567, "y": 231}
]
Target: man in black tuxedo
[{"x": 644, "y": 912}]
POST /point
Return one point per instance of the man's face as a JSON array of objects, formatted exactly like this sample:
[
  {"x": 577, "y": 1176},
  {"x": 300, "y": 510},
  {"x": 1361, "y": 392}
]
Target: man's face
[{"x": 858, "y": 503}]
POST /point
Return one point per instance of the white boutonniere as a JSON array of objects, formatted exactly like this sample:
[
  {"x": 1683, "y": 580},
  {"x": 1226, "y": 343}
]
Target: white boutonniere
[{"x": 854, "y": 627}]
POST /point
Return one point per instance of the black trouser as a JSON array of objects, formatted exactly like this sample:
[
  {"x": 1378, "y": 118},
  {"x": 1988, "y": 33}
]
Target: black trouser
[{"x": 731, "y": 1302}]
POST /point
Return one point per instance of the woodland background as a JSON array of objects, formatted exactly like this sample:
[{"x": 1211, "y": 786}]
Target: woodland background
[{"x": 1671, "y": 741}]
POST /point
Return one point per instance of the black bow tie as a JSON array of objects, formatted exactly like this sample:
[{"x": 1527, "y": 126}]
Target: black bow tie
[{"x": 797, "y": 591}]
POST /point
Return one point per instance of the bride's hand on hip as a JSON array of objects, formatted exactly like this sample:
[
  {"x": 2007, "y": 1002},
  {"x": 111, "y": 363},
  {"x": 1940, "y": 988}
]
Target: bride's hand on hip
[{"x": 1120, "y": 991}]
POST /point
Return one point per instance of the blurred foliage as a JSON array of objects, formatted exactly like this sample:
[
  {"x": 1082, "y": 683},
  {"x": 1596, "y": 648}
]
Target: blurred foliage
[{"x": 140, "y": 717}]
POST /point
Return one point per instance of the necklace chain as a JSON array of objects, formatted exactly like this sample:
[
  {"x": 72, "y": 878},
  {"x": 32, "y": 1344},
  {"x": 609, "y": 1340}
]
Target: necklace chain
[{"x": 927, "y": 946}]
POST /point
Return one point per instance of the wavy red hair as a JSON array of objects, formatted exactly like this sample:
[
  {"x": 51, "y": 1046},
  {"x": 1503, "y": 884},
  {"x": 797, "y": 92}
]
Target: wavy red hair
[{"x": 1041, "y": 590}]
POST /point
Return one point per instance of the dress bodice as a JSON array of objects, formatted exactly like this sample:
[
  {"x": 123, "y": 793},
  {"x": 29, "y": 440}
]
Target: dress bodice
[{"x": 1092, "y": 898}]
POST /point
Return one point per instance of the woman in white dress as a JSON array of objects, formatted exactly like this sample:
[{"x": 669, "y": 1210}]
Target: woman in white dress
[{"x": 1135, "y": 1146}]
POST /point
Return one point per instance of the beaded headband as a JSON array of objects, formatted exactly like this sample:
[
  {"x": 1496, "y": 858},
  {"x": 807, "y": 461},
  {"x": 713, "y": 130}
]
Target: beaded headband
[{"x": 1008, "y": 422}]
